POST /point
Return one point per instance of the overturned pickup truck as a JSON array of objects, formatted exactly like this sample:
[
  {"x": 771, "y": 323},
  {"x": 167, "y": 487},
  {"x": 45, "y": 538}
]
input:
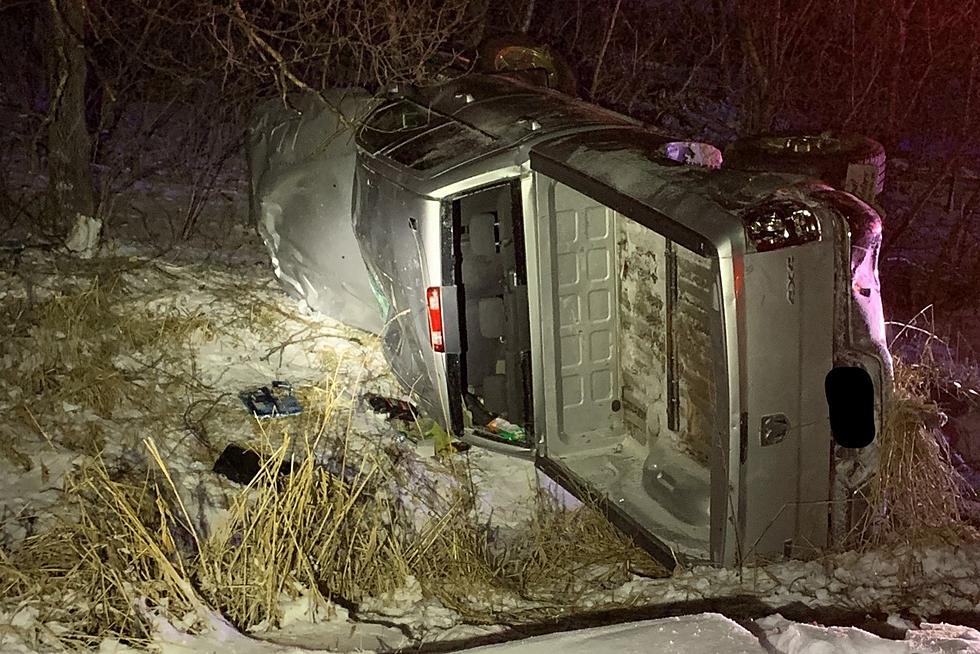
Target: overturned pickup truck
[{"x": 700, "y": 349}]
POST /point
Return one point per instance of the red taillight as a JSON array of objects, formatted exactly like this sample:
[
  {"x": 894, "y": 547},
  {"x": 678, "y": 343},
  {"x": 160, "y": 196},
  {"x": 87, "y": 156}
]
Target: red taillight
[{"x": 433, "y": 301}]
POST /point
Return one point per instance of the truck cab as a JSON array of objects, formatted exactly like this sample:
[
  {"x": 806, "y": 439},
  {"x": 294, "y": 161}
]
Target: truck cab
[{"x": 698, "y": 350}]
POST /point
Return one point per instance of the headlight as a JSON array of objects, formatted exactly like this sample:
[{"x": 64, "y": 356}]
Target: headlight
[{"x": 779, "y": 224}]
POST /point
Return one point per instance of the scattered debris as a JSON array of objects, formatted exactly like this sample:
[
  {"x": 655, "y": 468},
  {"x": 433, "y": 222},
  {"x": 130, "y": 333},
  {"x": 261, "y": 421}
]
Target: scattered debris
[
  {"x": 507, "y": 430},
  {"x": 242, "y": 466},
  {"x": 84, "y": 237},
  {"x": 409, "y": 421},
  {"x": 496, "y": 425},
  {"x": 392, "y": 408},
  {"x": 694, "y": 153},
  {"x": 274, "y": 401}
]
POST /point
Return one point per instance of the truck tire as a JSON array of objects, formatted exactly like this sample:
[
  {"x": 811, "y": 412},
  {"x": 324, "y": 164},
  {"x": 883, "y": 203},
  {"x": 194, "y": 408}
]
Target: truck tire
[
  {"x": 518, "y": 52},
  {"x": 825, "y": 156}
]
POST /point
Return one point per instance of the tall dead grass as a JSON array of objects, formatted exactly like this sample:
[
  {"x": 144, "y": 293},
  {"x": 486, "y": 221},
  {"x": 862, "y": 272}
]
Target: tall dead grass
[
  {"x": 308, "y": 530},
  {"x": 126, "y": 546},
  {"x": 917, "y": 493},
  {"x": 130, "y": 549},
  {"x": 114, "y": 551},
  {"x": 92, "y": 344},
  {"x": 560, "y": 561}
]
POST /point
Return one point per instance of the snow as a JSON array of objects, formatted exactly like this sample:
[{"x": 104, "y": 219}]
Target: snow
[
  {"x": 83, "y": 240},
  {"x": 707, "y": 632},
  {"x": 787, "y": 637}
]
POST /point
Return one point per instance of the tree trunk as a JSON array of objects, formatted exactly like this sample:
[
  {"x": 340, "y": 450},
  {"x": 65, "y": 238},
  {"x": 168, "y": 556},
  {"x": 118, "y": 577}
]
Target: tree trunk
[
  {"x": 70, "y": 188},
  {"x": 477, "y": 13},
  {"x": 528, "y": 20},
  {"x": 758, "y": 111},
  {"x": 722, "y": 33},
  {"x": 898, "y": 77}
]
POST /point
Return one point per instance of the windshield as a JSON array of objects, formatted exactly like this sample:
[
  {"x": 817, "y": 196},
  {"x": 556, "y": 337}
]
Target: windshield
[
  {"x": 396, "y": 122},
  {"x": 418, "y": 138}
]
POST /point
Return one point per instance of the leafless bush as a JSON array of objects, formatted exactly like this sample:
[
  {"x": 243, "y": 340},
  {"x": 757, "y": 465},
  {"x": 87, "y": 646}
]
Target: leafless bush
[
  {"x": 18, "y": 201},
  {"x": 321, "y": 43},
  {"x": 894, "y": 69},
  {"x": 156, "y": 62},
  {"x": 933, "y": 247},
  {"x": 656, "y": 61}
]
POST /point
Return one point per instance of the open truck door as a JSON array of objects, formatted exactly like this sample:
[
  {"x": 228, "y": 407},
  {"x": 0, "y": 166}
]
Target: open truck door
[{"x": 652, "y": 397}]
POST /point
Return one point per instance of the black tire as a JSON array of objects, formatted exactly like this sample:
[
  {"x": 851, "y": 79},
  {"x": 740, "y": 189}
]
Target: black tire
[
  {"x": 518, "y": 52},
  {"x": 824, "y": 156}
]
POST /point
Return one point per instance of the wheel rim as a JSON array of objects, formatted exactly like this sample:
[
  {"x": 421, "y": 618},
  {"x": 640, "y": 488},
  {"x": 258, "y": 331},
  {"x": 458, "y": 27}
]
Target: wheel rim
[
  {"x": 522, "y": 57},
  {"x": 803, "y": 144}
]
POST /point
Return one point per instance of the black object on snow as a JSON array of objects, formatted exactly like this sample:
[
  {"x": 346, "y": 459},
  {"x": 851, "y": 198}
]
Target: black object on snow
[
  {"x": 242, "y": 466},
  {"x": 392, "y": 408}
]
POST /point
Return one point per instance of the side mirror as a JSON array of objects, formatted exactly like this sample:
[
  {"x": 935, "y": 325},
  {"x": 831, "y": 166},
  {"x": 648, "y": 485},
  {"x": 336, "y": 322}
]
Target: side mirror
[{"x": 851, "y": 399}]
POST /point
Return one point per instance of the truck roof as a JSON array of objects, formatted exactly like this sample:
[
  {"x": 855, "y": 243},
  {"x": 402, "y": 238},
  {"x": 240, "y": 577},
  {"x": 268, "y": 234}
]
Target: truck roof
[
  {"x": 627, "y": 170},
  {"x": 476, "y": 123},
  {"x": 433, "y": 129}
]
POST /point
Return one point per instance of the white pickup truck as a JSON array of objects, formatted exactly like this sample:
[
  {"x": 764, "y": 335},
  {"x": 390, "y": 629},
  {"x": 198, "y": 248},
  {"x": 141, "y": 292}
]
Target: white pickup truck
[{"x": 699, "y": 349}]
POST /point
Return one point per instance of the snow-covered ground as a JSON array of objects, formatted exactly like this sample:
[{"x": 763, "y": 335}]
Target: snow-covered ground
[
  {"x": 275, "y": 338},
  {"x": 705, "y": 632}
]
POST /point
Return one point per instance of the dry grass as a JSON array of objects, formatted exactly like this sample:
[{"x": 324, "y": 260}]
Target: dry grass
[
  {"x": 308, "y": 530},
  {"x": 917, "y": 494},
  {"x": 131, "y": 543},
  {"x": 116, "y": 338},
  {"x": 556, "y": 563},
  {"x": 113, "y": 552},
  {"x": 96, "y": 345},
  {"x": 126, "y": 546},
  {"x": 570, "y": 552}
]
